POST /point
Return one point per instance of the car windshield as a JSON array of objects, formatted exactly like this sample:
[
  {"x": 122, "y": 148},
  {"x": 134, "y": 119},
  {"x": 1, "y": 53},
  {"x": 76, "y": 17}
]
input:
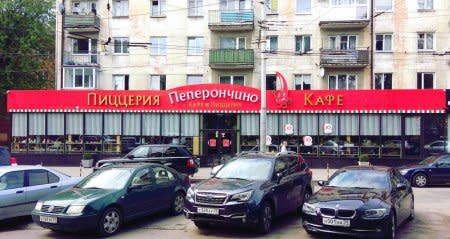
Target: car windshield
[
  {"x": 429, "y": 160},
  {"x": 359, "y": 179},
  {"x": 245, "y": 169},
  {"x": 113, "y": 178}
]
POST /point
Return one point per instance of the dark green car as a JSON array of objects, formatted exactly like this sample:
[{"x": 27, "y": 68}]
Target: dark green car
[{"x": 107, "y": 198}]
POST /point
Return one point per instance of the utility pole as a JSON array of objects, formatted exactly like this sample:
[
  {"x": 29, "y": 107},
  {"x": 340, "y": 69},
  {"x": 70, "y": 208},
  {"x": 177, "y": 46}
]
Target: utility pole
[{"x": 262, "y": 113}]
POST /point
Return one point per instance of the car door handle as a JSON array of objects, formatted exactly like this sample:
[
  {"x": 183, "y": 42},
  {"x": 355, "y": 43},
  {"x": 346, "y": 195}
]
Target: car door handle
[
  {"x": 54, "y": 186},
  {"x": 20, "y": 191}
]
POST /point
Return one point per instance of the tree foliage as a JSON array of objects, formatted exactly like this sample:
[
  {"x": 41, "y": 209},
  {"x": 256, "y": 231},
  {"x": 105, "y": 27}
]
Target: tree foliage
[{"x": 26, "y": 44}]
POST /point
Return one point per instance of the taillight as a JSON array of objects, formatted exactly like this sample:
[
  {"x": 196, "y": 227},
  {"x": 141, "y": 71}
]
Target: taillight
[
  {"x": 190, "y": 163},
  {"x": 13, "y": 161}
]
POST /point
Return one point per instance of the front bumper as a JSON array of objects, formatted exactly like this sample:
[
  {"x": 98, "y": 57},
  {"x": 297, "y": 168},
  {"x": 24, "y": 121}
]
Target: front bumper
[
  {"x": 362, "y": 228},
  {"x": 67, "y": 223},
  {"x": 230, "y": 213}
]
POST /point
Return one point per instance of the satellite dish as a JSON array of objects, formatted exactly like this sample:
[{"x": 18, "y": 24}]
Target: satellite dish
[
  {"x": 61, "y": 8},
  {"x": 321, "y": 72}
]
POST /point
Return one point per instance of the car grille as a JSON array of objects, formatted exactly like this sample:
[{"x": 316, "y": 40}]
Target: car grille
[
  {"x": 52, "y": 209},
  {"x": 210, "y": 198},
  {"x": 341, "y": 213}
]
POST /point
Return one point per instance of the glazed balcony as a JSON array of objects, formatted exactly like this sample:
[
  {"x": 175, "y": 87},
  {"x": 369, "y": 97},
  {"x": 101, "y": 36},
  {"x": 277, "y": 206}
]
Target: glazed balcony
[
  {"x": 335, "y": 58},
  {"x": 231, "y": 59},
  {"x": 231, "y": 20},
  {"x": 81, "y": 23},
  {"x": 81, "y": 59}
]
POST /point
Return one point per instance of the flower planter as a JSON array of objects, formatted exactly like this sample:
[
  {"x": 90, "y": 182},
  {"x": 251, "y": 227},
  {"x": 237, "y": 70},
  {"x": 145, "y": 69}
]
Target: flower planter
[
  {"x": 87, "y": 163},
  {"x": 363, "y": 163}
]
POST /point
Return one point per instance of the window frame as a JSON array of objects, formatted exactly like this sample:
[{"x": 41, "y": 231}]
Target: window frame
[
  {"x": 73, "y": 69},
  {"x": 303, "y": 13},
  {"x": 425, "y": 5},
  {"x": 197, "y": 11},
  {"x": 383, "y": 79},
  {"x": 269, "y": 43},
  {"x": 422, "y": 78},
  {"x": 301, "y": 77},
  {"x": 424, "y": 39},
  {"x": 301, "y": 38},
  {"x": 198, "y": 48},
  {"x": 161, "y": 49},
  {"x": 122, "y": 40},
  {"x": 194, "y": 75},
  {"x": 126, "y": 81},
  {"x": 232, "y": 79},
  {"x": 337, "y": 45},
  {"x": 115, "y": 14},
  {"x": 384, "y": 10},
  {"x": 347, "y": 76},
  {"x": 383, "y": 41},
  {"x": 237, "y": 40},
  {"x": 160, "y": 82},
  {"x": 162, "y": 8}
]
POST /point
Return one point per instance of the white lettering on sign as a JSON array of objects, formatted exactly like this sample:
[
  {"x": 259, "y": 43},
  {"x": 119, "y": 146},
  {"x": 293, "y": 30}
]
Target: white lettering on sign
[{"x": 176, "y": 97}]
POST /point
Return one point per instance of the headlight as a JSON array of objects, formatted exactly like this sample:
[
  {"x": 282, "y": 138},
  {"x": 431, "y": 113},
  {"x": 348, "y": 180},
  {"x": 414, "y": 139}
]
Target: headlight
[
  {"x": 38, "y": 206},
  {"x": 404, "y": 171},
  {"x": 242, "y": 197},
  {"x": 74, "y": 209},
  {"x": 309, "y": 209},
  {"x": 190, "y": 194},
  {"x": 374, "y": 213}
]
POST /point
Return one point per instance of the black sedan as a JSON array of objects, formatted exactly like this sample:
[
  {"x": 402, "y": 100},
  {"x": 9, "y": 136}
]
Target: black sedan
[
  {"x": 432, "y": 170},
  {"x": 250, "y": 190},
  {"x": 360, "y": 201}
]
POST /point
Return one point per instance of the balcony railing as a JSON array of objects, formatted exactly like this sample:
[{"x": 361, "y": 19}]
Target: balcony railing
[
  {"x": 80, "y": 59},
  {"x": 336, "y": 58},
  {"x": 231, "y": 58},
  {"x": 231, "y": 20},
  {"x": 81, "y": 23}
]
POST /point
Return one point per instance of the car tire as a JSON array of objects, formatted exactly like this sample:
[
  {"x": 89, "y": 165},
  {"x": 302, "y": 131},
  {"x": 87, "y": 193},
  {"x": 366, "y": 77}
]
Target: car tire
[
  {"x": 391, "y": 230},
  {"x": 201, "y": 225},
  {"x": 412, "y": 213},
  {"x": 110, "y": 222},
  {"x": 265, "y": 218},
  {"x": 420, "y": 180},
  {"x": 177, "y": 204},
  {"x": 306, "y": 197}
]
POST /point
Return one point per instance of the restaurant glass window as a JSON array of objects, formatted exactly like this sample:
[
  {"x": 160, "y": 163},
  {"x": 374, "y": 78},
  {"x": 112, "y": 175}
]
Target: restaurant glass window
[
  {"x": 329, "y": 143},
  {"x": 272, "y": 128},
  {"x": 19, "y": 132},
  {"x": 131, "y": 131},
  {"x": 249, "y": 131},
  {"x": 370, "y": 134},
  {"x": 349, "y": 134},
  {"x": 435, "y": 135},
  {"x": 112, "y": 132},
  {"x": 288, "y": 129},
  {"x": 74, "y": 132},
  {"x": 190, "y": 130},
  {"x": 307, "y": 131},
  {"x": 36, "y": 132},
  {"x": 391, "y": 135},
  {"x": 151, "y": 127},
  {"x": 55, "y": 132},
  {"x": 170, "y": 128},
  {"x": 412, "y": 135},
  {"x": 92, "y": 138}
]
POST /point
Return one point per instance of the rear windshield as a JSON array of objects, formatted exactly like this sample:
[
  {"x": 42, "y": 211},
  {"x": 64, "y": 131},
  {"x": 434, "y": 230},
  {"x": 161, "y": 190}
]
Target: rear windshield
[{"x": 359, "y": 179}]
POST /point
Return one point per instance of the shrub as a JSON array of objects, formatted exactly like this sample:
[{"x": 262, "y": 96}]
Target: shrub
[
  {"x": 87, "y": 156},
  {"x": 363, "y": 158}
]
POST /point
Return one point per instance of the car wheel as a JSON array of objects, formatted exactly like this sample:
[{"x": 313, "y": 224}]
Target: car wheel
[
  {"x": 110, "y": 222},
  {"x": 265, "y": 218},
  {"x": 420, "y": 180},
  {"x": 178, "y": 204},
  {"x": 412, "y": 214},
  {"x": 391, "y": 229},
  {"x": 306, "y": 197},
  {"x": 201, "y": 225}
]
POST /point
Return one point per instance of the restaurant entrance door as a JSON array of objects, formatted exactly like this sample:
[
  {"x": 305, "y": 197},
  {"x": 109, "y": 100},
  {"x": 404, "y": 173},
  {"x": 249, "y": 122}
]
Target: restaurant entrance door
[{"x": 219, "y": 137}]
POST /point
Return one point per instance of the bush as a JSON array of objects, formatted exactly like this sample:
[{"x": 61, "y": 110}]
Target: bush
[
  {"x": 363, "y": 158},
  {"x": 87, "y": 156}
]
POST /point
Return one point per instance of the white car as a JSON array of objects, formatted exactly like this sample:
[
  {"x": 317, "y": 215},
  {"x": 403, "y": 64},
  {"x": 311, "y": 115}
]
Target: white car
[{"x": 22, "y": 186}]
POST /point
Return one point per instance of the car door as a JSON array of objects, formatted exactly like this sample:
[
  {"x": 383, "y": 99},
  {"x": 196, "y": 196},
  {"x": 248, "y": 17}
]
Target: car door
[
  {"x": 40, "y": 183},
  {"x": 176, "y": 158},
  {"x": 141, "y": 194},
  {"x": 441, "y": 170},
  {"x": 400, "y": 197},
  {"x": 12, "y": 194},
  {"x": 284, "y": 186},
  {"x": 295, "y": 176},
  {"x": 165, "y": 184}
]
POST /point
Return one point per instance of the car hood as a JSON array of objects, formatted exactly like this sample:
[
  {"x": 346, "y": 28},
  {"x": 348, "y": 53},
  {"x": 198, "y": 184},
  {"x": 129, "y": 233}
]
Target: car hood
[
  {"x": 351, "y": 196},
  {"x": 412, "y": 166},
  {"x": 225, "y": 185},
  {"x": 77, "y": 196}
]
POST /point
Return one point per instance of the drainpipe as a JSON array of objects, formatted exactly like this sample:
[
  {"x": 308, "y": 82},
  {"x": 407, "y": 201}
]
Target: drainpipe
[
  {"x": 62, "y": 44},
  {"x": 371, "y": 43}
]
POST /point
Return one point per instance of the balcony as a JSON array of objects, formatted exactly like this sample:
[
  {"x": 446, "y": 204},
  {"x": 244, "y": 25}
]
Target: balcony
[
  {"x": 231, "y": 59},
  {"x": 231, "y": 20},
  {"x": 80, "y": 59},
  {"x": 335, "y": 58},
  {"x": 81, "y": 23},
  {"x": 345, "y": 18},
  {"x": 344, "y": 24}
]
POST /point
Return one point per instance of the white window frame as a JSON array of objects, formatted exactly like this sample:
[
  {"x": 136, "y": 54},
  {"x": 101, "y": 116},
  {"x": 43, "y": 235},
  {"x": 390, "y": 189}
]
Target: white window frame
[
  {"x": 161, "y": 11},
  {"x": 158, "y": 46},
  {"x": 297, "y": 2},
  {"x": 124, "y": 12},
  {"x": 423, "y": 78},
  {"x": 383, "y": 76},
  {"x": 347, "y": 76},
  {"x": 195, "y": 8},
  {"x": 384, "y": 40},
  {"x": 426, "y": 5},
  {"x": 342, "y": 3},
  {"x": 90, "y": 47},
  {"x": 116, "y": 77},
  {"x": 73, "y": 69},
  {"x": 268, "y": 43},
  {"x": 197, "y": 48},
  {"x": 122, "y": 40},
  {"x": 384, "y": 10},
  {"x": 156, "y": 79},
  {"x": 299, "y": 79},
  {"x": 236, "y": 42},
  {"x": 231, "y": 78},
  {"x": 338, "y": 42},
  {"x": 194, "y": 76},
  {"x": 302, "y": 47},
  {"x": 425, "y": 34}
]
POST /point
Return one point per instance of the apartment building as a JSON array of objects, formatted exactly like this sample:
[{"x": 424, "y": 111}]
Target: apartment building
[{"x": 362, "y": 77}]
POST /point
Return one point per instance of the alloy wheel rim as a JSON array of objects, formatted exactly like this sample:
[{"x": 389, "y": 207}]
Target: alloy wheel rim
[
  {"x": 267, "y": 218},
  {"x": 179, "y": 203},
  {"x": 111, "y": 222},
  {"x": 421, "y": 180}
]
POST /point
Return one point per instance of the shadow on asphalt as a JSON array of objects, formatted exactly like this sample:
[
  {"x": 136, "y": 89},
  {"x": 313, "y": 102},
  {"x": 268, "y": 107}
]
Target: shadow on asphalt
[{"x": 13, "y": 224}]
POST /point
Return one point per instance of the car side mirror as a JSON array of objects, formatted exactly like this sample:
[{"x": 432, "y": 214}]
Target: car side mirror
[
  {"x": 401, "y": 186},
  {"x": 216, "y": 169},
  {"x": 321, "y": 183}
]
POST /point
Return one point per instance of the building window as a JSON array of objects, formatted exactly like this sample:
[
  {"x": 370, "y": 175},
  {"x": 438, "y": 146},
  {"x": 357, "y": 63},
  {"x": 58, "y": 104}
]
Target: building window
[
  {"x": 158, "y": 8},
  {"x": 271, "y": 6},
  {"x": 158, "y": 82},
  {"x": 120, "y": 82},
  {"x": 158, "y": 46},
  {"x": 303, "y": 7},
  {"x": 303, "y": 82},
  {"x": 120, "y": 8},
  {"x": 383, "y": 42},
  {"x": 234, "y": 80},
  {"x": 383, "y": 5},
  {"x": 195, "y": 8},
  {"x": 341, "y": 82},
  {"x": 383, "y": 81},
  {"x": 302, "y": 43},
  {"x": 425, "y": 80},
  {"x": 121, "y": 45},
  {"x": 425, "y": 41},
  {"x": 272, "y": 43},
  {"x": 342, "y": 42},
  {"x": 234, "y": 4},
  {"x": 194, "y": 79},
  {"x": 425, "y": 4},
  {"x": 271, "y": 82},
  {"x": 82, "y": 78},
  {"x": 195, "y": 46},
  {"x": 342, "y": 2},
  {"x": 232, "y": 43},
  {"x": 84, "y": 8},
  {"x": 86, "y": 47}
]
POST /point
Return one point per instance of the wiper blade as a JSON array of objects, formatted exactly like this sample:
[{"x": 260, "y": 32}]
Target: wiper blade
[
  {"x": 239, "y": 179},
  {"x": 91, "y": 188}
]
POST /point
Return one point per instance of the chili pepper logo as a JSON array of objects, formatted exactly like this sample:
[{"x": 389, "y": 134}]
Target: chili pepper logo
[{"x": 281, "y": 95}]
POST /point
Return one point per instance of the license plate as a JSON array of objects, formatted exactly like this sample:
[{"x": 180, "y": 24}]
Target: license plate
[
  {"x": 207, "y": 210},
  {"x": 52, "y": 220},
  {"x": 336, "y": 222}
]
